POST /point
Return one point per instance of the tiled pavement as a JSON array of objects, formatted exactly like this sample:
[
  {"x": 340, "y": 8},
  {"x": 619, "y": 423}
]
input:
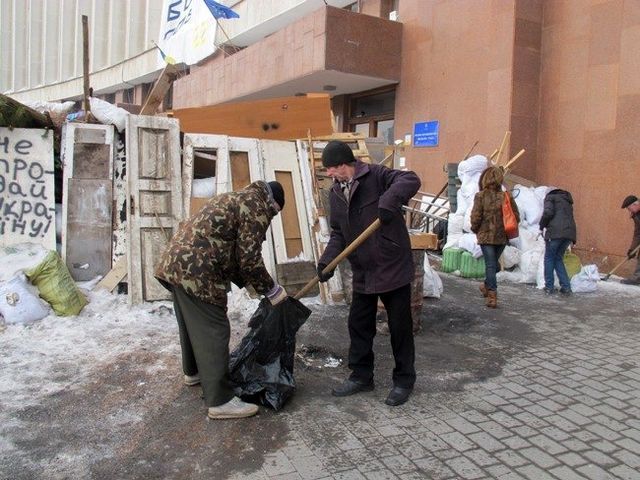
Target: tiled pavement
[{"x": 565, "y": 403}]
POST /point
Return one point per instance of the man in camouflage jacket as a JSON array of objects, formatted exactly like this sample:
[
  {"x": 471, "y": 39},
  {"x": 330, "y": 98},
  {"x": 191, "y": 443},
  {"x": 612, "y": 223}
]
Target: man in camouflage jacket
[{"x": 220, "y": 244}]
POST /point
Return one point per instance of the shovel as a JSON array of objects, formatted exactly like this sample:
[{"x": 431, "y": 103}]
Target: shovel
[
  {"x": 345, "y": 253},
  {"x": 261, "y": 367},
  {"x": 633, "y": 253}
]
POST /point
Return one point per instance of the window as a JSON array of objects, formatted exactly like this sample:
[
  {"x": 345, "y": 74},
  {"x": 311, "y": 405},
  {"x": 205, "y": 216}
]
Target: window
[{"x": 372, "y": 113}]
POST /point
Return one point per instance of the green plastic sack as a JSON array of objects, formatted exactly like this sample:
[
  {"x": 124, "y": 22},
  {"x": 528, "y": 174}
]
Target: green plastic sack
[
  {"x": 572, "y": 263},
  {"x": 56, "y": 286}
]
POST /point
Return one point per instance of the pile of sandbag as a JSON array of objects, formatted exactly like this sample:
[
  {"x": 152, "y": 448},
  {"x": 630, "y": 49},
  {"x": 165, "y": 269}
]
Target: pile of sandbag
[
  {"x": 523, "y": 258},
  {"x": 34, "y": 280}
]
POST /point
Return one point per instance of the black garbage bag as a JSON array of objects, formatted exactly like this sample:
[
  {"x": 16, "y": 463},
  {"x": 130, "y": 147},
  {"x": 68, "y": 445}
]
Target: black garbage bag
[{"x": 261, "y": 367}]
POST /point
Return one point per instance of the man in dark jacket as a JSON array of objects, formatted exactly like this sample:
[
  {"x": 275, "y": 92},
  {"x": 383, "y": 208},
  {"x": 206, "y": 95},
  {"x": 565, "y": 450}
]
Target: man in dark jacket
[
  {"x": 560, "y": 232},
  {"x": 382, "y": 266},
  {"x": 632, "y": 204},
  {"x": 222, "y": 243}
]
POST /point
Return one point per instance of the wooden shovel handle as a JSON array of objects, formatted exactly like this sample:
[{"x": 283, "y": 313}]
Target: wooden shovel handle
[
  {"x": 344, "y": 254},
  {"x": 635, "y": 250}
]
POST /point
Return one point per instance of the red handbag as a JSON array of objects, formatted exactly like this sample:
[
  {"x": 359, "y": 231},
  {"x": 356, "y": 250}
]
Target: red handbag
[{"x": 509, "y": 218}]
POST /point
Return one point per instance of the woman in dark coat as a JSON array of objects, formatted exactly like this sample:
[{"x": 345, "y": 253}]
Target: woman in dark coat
[
  {"x": 488, "y": 225},
  {"x": 557, "y": 219}
]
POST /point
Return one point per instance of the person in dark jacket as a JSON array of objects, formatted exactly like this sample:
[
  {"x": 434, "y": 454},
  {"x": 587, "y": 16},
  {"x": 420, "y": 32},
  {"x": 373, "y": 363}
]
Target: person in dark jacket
[
  {"x": 559, "y": 232},
  {"x": 220, "y": 244},
  {"x": 382, "y": 266},
  {"x": 632, "y": 204},
  {"x": 488, "y": 225}
]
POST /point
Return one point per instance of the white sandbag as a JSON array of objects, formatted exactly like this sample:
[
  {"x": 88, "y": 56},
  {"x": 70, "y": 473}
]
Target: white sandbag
[
  {"x": 529, "y": 205},
  {"x": 510, "y": 256},
  {"x": 203, "y": 187},
  {"x": 454, "y": 224},
  {"x": 432, "y": 284},
  {"x": 19, "y": 257},
  {"x": 469, "y": 242},
  {"x": 586, "y": 280},
  {"x": 529, "y": 263},
  {"x": 109, "y": 114},
  {"x": 452, "y": 240},
  {"x": 19, "y": 303},
  {"x": 513, "y": 276},
  {"x": 530, "y": 240}
]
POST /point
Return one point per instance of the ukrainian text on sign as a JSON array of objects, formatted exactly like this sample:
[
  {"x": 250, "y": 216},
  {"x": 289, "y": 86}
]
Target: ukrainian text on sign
[{"x": 27, "y": 202}]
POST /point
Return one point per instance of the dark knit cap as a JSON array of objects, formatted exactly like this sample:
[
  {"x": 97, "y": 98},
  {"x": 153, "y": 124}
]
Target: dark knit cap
[
  {"x": 629, "y": 200},
  {"x": 337, "y": 153},
  {"x": 278, "y": 193}
]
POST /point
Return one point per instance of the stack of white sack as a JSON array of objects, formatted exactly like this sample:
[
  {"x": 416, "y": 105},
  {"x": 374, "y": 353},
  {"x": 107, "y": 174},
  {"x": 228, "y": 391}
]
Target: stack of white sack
[{"x": 523, "y": 257}]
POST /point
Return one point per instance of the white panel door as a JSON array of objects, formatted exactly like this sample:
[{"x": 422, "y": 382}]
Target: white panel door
[{"x": 154, "y": 192}]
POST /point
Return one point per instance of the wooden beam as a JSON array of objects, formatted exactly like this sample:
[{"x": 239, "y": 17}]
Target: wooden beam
[
  {"x": 159, "y": 90},
  {"x": 85, "y": 64}
]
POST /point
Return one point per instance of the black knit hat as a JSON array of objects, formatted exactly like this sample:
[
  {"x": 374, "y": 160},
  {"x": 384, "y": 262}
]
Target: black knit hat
[
  {"x": 629, "y": 200},
  {"x": 278, "y": 193},
  {"x": 337, "y": 153}
]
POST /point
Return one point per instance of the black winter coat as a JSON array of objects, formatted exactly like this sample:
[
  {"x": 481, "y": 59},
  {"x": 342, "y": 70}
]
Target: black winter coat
[
  {"x": 384, "y": 261},
  {"x": 557, "y": 216}
]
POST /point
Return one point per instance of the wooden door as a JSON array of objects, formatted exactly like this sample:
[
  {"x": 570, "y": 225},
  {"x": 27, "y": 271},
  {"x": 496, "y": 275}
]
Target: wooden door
[
  {"x": 87, "y": 156},
  {"x": 205, "y": 156},
  {"x": 154, "y": 192},
  {"x": 290, "y": 230}
]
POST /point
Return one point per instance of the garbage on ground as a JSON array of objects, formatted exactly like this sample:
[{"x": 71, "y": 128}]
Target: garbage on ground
[
  {"x": 261, "y": 367},
  {"x": 432, "y": 284}
]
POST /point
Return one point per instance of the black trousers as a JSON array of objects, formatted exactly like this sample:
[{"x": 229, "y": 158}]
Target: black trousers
[
  {"x": 362, "y": 330},
  {"x": 204, "y": 341}
]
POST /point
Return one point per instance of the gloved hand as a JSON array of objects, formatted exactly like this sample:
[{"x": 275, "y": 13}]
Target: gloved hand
[
  {"x": 385, "y": 215},
  {"x": 630, "y": 254},
  {"x": 277, "y": 294},
  {"x": 322, "y": 276}
]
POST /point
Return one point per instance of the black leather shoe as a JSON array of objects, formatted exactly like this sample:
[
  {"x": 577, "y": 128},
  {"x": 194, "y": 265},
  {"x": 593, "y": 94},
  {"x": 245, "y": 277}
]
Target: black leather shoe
[
  {"x": 398, "y": 395},
  {"x": 349, "y": 387}
]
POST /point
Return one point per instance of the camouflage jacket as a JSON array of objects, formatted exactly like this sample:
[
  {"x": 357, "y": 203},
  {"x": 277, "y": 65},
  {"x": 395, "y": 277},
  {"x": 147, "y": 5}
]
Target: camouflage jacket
[
  {"x": 486, "y": 217},
  {"x": 222, "y": 243}
]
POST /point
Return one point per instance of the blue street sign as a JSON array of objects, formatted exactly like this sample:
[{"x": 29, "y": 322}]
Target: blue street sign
[{"x": 425, "y": 134}]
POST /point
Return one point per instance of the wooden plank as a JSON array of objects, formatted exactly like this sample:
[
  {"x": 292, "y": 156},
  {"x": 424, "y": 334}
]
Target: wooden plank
[
  {"x": 85, "y": 65},
  {"x": 276, "y": 119},
  {"x": 240, "y": 172},
  {"x": 115, "y": 275},
  {"x": 290, "y": 223},
  {"x": 295, "y": 275},
  {"x": 159, "y": 90},
  {"x": 424, "y": 241}
]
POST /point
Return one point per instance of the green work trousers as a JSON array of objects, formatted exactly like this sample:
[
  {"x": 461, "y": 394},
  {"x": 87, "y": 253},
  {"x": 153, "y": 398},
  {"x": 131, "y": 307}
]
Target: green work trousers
[{"x": 204, "y": 340}]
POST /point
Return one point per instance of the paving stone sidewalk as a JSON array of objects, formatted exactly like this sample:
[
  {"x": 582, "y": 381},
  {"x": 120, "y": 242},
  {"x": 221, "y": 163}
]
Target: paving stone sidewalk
[{"x": 542, "y": 388}]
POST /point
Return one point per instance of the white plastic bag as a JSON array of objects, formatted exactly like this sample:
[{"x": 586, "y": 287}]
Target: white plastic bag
[
  {"x": 432, "y": 284},
  {"x": 109, "y": 114},
  {"x": 18, "y": 302},
  {"x": 586, "y": 280}
]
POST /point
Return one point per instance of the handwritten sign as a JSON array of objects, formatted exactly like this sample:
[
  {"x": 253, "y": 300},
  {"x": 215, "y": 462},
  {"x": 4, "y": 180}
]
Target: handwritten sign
[{"x": 27, "y": 202}]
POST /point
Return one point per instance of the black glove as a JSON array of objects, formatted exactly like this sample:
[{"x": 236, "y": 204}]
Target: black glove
[
  {"x": 630, "y": 254},
  {"x": 385, "y": 215},
  {"x": 323, "y": 276}
]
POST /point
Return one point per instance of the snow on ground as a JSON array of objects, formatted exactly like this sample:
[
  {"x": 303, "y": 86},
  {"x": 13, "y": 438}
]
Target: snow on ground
[{"x": 37, "y": 360}]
